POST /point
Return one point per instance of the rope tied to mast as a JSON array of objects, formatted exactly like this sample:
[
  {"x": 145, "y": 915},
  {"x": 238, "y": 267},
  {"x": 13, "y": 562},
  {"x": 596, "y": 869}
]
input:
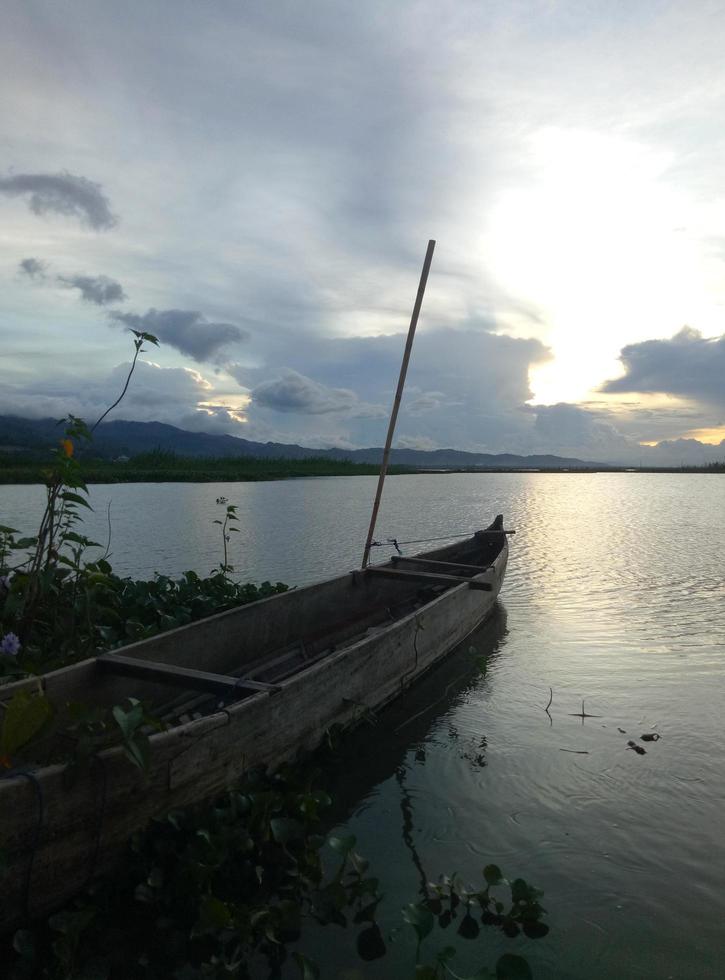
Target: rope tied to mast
[{"x": 395, "y": 543}]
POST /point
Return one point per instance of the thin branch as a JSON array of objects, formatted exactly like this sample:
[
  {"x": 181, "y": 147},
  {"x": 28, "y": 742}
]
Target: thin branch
[{"x": 125, "y": 389}]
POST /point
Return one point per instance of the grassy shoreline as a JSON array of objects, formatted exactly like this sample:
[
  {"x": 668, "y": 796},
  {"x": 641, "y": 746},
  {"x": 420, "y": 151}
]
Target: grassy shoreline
[
  {"x": 170, "y": 468},
  {"x": 161, "y": 467}
]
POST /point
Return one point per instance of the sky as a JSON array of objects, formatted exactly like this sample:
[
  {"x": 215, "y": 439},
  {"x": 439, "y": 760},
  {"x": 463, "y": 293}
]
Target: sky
[{"x": 255, "y": 183}]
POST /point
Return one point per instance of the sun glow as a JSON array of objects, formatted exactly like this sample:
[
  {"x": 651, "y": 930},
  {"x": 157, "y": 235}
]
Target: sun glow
[
  {"x": 607, "y": 250},
  {"x": 234, "y": 405},
  {"x": 713, "y": 436}
]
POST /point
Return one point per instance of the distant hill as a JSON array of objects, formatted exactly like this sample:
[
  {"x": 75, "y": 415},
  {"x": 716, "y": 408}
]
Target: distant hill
[{"x": 118, "y": 438}]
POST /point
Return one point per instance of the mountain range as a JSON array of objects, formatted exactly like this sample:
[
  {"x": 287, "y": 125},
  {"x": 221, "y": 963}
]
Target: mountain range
[{"x": 123, "y": 438}]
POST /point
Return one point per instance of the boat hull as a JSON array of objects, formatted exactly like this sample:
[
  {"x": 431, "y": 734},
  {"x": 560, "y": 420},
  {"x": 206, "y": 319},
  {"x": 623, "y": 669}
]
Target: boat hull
[{"x": 59, "y": 837}]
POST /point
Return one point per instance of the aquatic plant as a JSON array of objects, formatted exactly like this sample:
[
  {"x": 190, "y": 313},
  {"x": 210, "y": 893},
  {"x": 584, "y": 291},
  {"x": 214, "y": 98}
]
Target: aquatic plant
[{"x": 228, "y": 889}]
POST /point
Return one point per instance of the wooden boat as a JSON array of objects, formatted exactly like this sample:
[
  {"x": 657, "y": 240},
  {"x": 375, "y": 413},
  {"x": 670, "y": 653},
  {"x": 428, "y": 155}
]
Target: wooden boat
[{"x": 276, "y": 675}]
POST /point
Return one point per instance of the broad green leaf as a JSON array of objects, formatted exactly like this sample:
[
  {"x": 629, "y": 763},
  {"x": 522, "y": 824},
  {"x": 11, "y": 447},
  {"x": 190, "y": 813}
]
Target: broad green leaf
[
  {"x": 213, "y": 915},
  {"x": 25, "y": 716},
  {"x": 420, "y": 918},
  {"x": 75, "y": 498}
]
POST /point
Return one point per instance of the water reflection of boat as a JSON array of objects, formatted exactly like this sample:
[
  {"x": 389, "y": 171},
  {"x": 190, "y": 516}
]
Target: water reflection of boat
[
  {"x": 367, "y": 757},
  {"x": 277, "y": 675}
]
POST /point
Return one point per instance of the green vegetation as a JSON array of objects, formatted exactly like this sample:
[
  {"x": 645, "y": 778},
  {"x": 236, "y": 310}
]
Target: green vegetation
[
  {"x": 221, "y": 890},
  {"x": 166, "y": 467}
]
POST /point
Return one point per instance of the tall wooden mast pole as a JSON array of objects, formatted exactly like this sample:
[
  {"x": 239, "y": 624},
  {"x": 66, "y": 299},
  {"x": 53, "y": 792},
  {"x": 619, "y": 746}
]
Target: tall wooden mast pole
[{"x": 398, "y": 395}]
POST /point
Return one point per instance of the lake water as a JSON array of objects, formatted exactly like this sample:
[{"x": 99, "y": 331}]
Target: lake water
[{"x": 615, "y": 595}]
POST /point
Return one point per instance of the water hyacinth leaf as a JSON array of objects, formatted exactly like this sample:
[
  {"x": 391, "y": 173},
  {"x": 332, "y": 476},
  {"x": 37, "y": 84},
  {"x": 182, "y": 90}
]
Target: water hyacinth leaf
[
  {"x": 128, "y": 721},
  {"x": 25, "y": 716},
  {"x": 420, "y": 918},
  {"x": 520, "y": 891},
  {"x": 370, "y": 943},
  {"x": 493, "y": 875},
  {"x": 510, "y": 967},
  {"x": 535, "y": 930},
  {"x": 308, "y": 968},
  {"x": 213, "y": 915},
  {"x": 285, "y": 829},
  {"x": 342, "y": 843},
  {"x": 469, "y": 928}
]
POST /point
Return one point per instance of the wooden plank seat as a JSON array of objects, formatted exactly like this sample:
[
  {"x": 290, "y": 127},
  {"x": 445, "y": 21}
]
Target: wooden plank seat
[
  {"x": 186, "y": 677},
  {"x": 437, "y": 578}
]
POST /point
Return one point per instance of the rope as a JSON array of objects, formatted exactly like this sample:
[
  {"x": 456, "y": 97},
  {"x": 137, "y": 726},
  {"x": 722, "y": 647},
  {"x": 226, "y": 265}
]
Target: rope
[
  {"x": 393, "y": 542},
  {"x": 97, "y": 759},
  {"x": 36, "y": 836}
]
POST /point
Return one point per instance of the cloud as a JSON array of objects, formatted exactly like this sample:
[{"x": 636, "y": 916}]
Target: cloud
[
  {"x": 294, "y": 392},
  {"x": 96, "y": 289},
  {"x": 187, "y": 330},
  {"x": 415, "y": 442},
  {"x": 32, "y": 268},
  {"x": 687, "y": 365},
  {"x": 425, "y": 401},
  {"x": 62, "y": 193},
  {"x": 569, "y": 430},
  {"x": 155, "y": 393},
  {"x": 470, "y": 383}
]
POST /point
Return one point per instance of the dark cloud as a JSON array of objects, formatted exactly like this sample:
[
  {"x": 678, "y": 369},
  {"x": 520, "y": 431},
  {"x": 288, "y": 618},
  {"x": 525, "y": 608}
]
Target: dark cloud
[
  {"x": 294, "y": 392},
  {"x": 62, "y": 193},
  {"x": 468, "y": 385},
  {"x": 187, "y": 330},
  {"x": 569, "y": 430},
  {"x": 32, "y": 268},
  {"x": 96, "y": 289},
  {"x": 688, "y": 365}
]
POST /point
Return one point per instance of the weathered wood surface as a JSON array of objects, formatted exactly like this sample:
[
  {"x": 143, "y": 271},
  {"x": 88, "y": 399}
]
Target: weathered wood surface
[
  {"x": 432, "y": 563},
  {"x": 82, "y": 829},
  {"x": 185, "y": 677},
  {"x": 429, "y": 578}
]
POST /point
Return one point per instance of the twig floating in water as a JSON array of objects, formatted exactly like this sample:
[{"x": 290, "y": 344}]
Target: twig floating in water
[
  {"x": 576, "y": 751},
  {"x": 582, "y": 714}
]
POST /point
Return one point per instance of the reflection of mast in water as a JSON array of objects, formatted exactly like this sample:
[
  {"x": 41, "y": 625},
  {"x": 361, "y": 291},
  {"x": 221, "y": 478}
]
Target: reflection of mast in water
[{"x": 406, "y": 807}]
